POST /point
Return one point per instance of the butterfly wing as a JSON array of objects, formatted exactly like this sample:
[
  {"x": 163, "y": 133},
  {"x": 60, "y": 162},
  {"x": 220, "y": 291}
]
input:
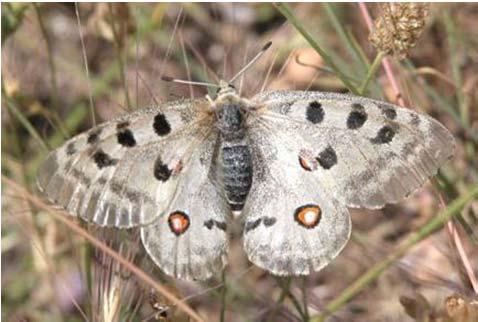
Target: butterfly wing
[
  {"x": 293, "y": 223},
  {"x": 123, "y": 173},
  {"x": 371, "y": 153},
  {"x": 317, "y": 153},
  {"x": 189, "y": 241}
]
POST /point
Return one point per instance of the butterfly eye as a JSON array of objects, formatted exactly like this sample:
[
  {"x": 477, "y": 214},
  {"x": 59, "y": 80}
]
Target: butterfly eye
[
  {"x": 225, "y": 89},
  {"x": 308, "y": 216}
]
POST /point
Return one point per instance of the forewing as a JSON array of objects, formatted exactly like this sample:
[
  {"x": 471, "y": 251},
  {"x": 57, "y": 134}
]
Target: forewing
[
  {"x": 123, "y": 173},
  {"x": 189, "y": 241},
  {"x": 293, "y": 223},
  {"x": 371, "y": 153}
]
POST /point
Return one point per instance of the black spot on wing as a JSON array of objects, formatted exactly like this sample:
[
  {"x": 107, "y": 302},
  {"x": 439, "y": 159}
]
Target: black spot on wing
[
  {"x": 384, "y": 135},
  {"x": 80, "y": 176},
  {"x": 269, "y": 221},
  {"x": 388, "y": 111},
  {"x": 251, "y": 225},
  {"x": 161, "y": 125},
  {"x": 414, "y": 119},
  {"x": 126, "y": 138},
  {"x": 94, "y": 136},
  {"x": 266, "y": 221},
  {"x": 314, "y": 113},
  {"x": 219, "y": 224},
  {"x": 357, "y": 117},
  {"x": 103, "y": 160},
  {"x": 161, "y": 170},
  {"x": 209, "y": 223},
  {"x": 70, "y": 148},
  {"x": 327, "y": 158}
]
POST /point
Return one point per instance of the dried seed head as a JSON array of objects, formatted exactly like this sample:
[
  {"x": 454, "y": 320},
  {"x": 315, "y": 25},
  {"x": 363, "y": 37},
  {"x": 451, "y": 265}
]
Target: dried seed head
[
  {"x": 397, "y": 30},
  {"x": 115, "y": 289}
]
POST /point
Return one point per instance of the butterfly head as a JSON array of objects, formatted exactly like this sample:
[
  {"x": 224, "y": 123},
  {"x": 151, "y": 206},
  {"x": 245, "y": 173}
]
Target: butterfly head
[
  {"x": 230, "y": 108},
  {"x": 227, "y": 95},
  {"x": 225, "y": 88}
]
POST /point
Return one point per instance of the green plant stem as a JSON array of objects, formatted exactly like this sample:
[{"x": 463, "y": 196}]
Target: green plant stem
[
  {"x": 375, "y": 271},
  {"x": 371, "y": 71},
  {"x": 297, "y": 306},
  {"x": 17, "y": 151},
  {"x": 462, "y": 98},
  {"x": 85, "y": 61},
  {"x": 285, "y": 11},
  {"x": 286, "y": 293},
  {"x": 344, "y": 36},
  {"x": 284, "y": 285},
  {"x": 354, "y": 42},
  {"x": 455, "y": 67}
]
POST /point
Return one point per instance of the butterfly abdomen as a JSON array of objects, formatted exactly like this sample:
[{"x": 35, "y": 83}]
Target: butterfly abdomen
[
  {"x": 237, "y": 173},
  {"x": 235, "y": 156}
]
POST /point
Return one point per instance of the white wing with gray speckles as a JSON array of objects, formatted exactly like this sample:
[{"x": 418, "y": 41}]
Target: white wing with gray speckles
[
  {"x": 371, "y": 152},
  {"x": 123, "y": 173}
]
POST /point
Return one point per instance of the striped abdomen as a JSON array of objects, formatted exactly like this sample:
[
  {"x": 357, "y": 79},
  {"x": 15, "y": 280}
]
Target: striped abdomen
[
  {"x": 237, "y": 173},
  {"x": 235, "y": 156}
]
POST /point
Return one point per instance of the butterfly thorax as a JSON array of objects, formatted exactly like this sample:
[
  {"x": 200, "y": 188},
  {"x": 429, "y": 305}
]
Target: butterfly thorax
[{"x": 234, "y": 158}]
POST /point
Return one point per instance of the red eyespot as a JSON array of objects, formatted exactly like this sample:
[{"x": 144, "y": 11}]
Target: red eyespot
[
  {"x": 304, "y": 164},
  {"x": 308, "y": 216},
  {"x": 307, "y": 160},
  {"x": 177, "y": 167},
  {"x": 178, "y": 222}
]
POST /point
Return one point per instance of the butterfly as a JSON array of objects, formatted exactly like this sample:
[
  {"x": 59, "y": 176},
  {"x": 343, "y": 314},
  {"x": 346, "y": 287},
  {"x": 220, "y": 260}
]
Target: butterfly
[{"x": 290, "y": 163}]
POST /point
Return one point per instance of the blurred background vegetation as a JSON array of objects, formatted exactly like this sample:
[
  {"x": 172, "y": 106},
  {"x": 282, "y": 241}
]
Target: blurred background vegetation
[{"x": 394, "y": 268}]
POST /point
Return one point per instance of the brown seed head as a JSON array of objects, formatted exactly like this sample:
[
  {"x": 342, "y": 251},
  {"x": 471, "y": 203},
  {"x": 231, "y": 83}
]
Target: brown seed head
[{"x": 398, "y": 28}]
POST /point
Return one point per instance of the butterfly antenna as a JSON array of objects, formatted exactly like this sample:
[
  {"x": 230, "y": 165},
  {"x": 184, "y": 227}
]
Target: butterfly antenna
[
  {"x": 253, "y": 60},
  {"x": 181, "y": 81}
]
